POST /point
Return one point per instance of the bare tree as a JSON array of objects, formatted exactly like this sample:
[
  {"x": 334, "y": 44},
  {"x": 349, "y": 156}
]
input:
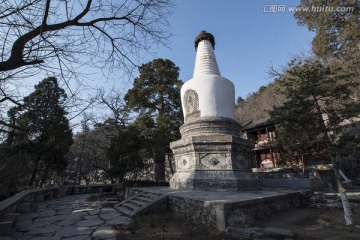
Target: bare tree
[
  {"x": 60, "y": 35},
  {"x": 118, "y": 113}
]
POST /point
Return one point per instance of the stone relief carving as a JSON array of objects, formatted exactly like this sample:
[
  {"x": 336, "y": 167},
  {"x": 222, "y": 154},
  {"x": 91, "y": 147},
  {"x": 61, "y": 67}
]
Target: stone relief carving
[
  {"x": 191, "y": 100},
  {"x": 212, "y": 161},
  {"x": 183, "y": 163}
]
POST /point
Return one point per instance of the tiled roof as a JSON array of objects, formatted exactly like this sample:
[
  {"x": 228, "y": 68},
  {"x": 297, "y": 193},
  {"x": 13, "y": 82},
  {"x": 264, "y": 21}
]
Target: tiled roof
[{"x": 257, "y": 123}]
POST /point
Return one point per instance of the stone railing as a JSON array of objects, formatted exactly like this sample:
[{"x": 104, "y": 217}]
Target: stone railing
[
  {"x": 23, "y": 201},
  {"x": 26, "y": 198},
  {"x": 93, "y": 188}
]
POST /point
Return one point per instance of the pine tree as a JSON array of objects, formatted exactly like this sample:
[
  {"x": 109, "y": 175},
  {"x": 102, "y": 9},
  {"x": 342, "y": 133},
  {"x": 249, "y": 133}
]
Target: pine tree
[
  {"x": 155, "y": 96},
  {"x": 319, "y": 100},
  {"x": 337, "y": 31},
  {"x": 125, "y": 151},
  {"x": 47, "y": 136}
]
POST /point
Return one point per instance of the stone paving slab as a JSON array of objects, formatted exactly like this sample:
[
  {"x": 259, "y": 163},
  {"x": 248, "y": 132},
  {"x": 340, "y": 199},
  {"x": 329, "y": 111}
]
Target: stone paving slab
[{"x": 71, "y": 217}]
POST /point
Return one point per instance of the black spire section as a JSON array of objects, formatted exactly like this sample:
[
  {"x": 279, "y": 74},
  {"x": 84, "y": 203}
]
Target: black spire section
[{"x": 203, "y": 35}]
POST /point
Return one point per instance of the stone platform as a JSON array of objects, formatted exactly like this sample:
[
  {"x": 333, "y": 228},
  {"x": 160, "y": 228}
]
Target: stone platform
[
  {"x": 222, "y": 209},
  {"x": 76, "y": 217}
]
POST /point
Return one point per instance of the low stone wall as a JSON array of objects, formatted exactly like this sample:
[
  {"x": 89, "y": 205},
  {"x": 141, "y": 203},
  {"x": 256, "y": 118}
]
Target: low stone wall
[
  {"x": 196, "y": 211},
  {"x": 295, "y": 179},
  {"x": 221, "y": 214},
  {"x": 25, "y": 199},
  {"x": 295, "y": 183},
  {"x": 29, "y": 196},
  {"x": 93, "y": 188},
  {"x": 240, "y": 214},
  {"x": 243, "y": 214}
]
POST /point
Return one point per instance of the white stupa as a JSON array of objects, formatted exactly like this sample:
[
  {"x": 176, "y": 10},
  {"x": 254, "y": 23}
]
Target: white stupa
[
  {"x": 216, "y": 94},
  {"x": 210, "y": 154}
]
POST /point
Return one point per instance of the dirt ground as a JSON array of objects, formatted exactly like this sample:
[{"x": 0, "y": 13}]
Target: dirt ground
[
  {"x": 314, "y": 224},
  {"x": 167, "y": 226},
  {"x": 305, "y": 223}
]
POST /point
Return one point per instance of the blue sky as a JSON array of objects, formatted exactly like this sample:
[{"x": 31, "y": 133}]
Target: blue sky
[{"x": 248, "y": 40}]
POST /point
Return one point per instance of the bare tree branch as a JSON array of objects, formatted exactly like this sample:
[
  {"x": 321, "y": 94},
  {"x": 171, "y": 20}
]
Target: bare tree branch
[
  {"x": 59, "y": 37},
  {"x": 137, "y": 21}
]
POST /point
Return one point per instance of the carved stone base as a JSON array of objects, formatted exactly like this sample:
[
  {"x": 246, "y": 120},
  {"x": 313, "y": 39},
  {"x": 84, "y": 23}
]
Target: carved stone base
[
  {"x": 216, "y": 180},
  {"x": 213, "y": 162},
  {"x": 210, "y": 126}
]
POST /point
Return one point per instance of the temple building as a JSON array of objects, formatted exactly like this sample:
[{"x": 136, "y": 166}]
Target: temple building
[
  {"x": 210, "y": 153},
  {"x": 266, "y": 152}
]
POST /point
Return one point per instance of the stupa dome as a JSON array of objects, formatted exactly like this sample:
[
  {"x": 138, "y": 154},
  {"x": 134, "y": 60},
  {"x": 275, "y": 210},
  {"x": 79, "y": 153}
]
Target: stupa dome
[{"x": 207, "y": 94}]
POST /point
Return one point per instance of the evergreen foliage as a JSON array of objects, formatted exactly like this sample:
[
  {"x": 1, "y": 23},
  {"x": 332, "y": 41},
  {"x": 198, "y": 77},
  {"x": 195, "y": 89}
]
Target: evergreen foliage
[
  {"x": 125, "y": 152},
  {"x": 337, "y": 31},
  {"x": 155, "y": 96},
  {"x": 42, "y": 136},
  {"x": 319, "y": 102}
]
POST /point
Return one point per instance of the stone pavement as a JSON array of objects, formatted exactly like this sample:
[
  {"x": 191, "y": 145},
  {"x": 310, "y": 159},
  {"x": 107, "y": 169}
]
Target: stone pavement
[
  {"x": 75, "y": 217},
  {"x": 71, "y": 217}
]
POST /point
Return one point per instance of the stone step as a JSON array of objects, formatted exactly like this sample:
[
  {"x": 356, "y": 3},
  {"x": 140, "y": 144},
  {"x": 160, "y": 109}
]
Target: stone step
[
  {"x": 143, "y": 199},
  {"x": 126, "y": 205},
  {"x": 131, "y": 205},
  {"x": 124, "y": 210},
  {"x": 137, "y": 203},
  {"x": 140, "y": 203},
  {"x": 148, "y": 196},
  {"x": 155, "y": 193}
]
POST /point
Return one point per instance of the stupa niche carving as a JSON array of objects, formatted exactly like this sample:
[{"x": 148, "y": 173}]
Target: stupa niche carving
[{"x": 191, "y": 100}]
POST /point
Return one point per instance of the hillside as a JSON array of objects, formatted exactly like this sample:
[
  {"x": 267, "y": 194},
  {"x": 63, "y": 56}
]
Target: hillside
[{"x": 257, "y": 105}]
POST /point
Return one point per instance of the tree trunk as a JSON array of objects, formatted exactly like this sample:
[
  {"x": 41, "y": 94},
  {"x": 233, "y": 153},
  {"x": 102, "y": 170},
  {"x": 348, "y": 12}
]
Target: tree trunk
[
  {"x": 170, "y": 164},
  {"x": 160, "y": 171},
  {"x": 333, "y": 155},
  {"x": 80, "y": 166},
  {"x": 347, "y": 208},
  {"x": 303, "y": 165},
  {"x": 32, "y": 179},
  {"x": 342, "y": 191},
  {"x": 44, "y": 175},
  {"x": 159, "y": 161},
  {"x": 34, "y": 172}
]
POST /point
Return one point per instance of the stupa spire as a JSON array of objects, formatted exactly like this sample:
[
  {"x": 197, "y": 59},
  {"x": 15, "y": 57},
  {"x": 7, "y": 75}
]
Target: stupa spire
[{"x": 205, "y": 63}]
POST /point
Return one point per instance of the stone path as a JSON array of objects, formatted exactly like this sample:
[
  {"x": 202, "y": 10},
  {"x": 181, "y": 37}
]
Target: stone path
[{"x": 71, "y": 217}]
